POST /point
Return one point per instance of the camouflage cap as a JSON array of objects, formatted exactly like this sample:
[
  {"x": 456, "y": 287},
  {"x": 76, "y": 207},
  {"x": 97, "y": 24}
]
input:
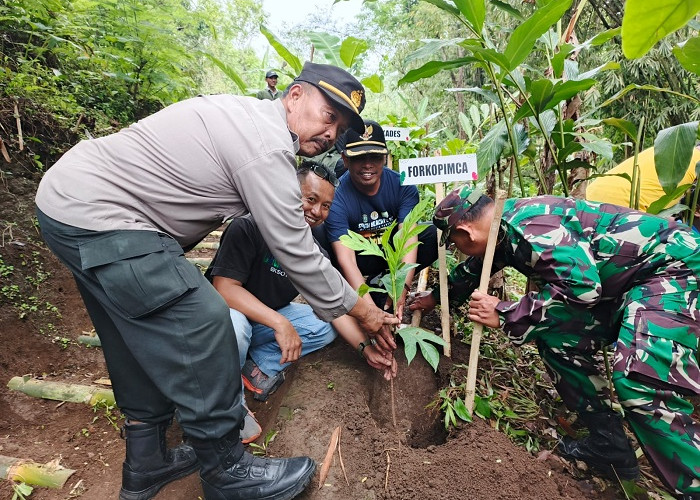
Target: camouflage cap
[{"x": 451, "y": 209}]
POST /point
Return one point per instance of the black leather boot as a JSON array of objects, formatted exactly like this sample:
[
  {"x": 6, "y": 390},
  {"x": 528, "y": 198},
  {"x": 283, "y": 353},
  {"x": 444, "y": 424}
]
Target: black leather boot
[
  {"x": 230, "y": 473},
  {"x": 149, "y": 464},
  {"x": 606, "y": 448}
]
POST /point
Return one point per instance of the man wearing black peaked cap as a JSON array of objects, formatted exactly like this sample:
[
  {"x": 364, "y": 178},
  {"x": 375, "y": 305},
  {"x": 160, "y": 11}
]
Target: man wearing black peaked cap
[
  {"x": 369, "y": 199},
  {"x": 119, "y": 210}
]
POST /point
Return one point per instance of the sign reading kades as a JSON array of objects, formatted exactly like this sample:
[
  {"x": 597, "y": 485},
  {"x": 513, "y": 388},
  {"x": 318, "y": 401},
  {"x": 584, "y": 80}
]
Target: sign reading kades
[
  {"x": 438, "y": 169},
  {"x": 397, "y": 134}
]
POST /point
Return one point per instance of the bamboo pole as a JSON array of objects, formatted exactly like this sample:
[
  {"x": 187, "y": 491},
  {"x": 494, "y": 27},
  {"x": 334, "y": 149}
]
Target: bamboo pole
[
  {"x": 50, "y": 475},
  {"x": 203, "y": 262},
  {"x": 213, "y": 245},
  {"x": 483, "y": 288},
  {"x": 60, "y": 391},
  {"x": 90, "y": 340},
  {"x": 444, "y": 301}
]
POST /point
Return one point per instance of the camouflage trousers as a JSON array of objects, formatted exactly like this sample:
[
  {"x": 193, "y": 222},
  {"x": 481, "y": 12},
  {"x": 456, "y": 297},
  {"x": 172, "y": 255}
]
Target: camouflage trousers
[{"x": 655, "y": 365}]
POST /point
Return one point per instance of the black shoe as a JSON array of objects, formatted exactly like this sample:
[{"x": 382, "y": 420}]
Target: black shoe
[
  {"x": 229, "y": 473},
  {"x": 149, "y": 464},
  {"x": 606, "y": 448}
]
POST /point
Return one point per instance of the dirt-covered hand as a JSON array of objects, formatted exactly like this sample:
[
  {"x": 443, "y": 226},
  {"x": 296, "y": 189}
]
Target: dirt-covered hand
[
  {"x": 482, "y": 309},
  {"x": 376, "y": 358},
  {"x": 385, "y": 338},
  {"x": 377, "y": 324},
  {"x": 385, "y": 363},
  {"x": 289, "y": 342},
  {"x": 390, "y": 372},
  {"x": 423, "y": 301}
]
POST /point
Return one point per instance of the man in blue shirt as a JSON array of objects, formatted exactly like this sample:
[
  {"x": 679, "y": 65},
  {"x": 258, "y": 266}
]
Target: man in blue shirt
[{"x": 369, "y": 199}]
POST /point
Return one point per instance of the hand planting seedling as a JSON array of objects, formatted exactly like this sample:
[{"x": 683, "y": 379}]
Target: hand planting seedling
[{"x": 393, "y": 250}]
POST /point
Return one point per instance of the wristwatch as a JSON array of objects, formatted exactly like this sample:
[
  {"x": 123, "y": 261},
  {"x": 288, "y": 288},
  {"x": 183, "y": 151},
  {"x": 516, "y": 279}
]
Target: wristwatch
[{"x": 361, "y": 346}]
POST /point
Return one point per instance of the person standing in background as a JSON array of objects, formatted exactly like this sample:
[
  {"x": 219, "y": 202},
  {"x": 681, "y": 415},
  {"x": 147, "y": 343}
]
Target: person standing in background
[{"x": 270, "y": 92}]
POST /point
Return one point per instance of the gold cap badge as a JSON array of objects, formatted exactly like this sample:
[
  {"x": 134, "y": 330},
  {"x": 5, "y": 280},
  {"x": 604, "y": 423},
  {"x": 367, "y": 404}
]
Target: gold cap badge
[
  {"x": 368, "y": 133},
  {"x": 356, "y": 97}
]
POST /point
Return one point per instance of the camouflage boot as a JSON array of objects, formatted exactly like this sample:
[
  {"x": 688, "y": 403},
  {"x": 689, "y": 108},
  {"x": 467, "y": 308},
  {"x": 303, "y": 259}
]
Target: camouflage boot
[{"x": 606, "y": 448}]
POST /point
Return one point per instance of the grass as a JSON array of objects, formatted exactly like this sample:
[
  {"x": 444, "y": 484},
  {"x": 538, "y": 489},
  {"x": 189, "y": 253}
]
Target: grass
[{"x": 27, "y": 277}]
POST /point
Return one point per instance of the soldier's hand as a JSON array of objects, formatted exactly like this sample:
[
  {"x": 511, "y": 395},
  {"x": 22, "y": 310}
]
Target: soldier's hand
[
  {"x": 423, "y": 301},
  {"x": 482, "y": 309}
]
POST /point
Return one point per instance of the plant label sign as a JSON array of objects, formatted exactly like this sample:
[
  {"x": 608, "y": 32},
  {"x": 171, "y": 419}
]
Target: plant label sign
[
  {"x": 438, "y": 169},
  {"x": 397, "y": 134}
]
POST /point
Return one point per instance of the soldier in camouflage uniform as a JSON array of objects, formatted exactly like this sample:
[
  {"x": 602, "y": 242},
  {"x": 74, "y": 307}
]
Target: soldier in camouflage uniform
[{"x": 605, "y": 274}]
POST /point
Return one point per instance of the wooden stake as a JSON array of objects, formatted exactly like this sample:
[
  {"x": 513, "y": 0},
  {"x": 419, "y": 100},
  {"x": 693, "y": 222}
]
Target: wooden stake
[
  {"x": 77, "y": 124},
  {"x": 19, "y": 129},
  {"x": 3, "y": 149},
  {"x": 50, "y": 475},
  {"x": 422, "y": 285},
  {"x": 483, "y": 288},
  {"x": 444, "y": 301}
]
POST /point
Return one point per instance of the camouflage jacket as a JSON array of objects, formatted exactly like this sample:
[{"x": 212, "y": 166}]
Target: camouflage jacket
[{"x": 583, "y": 255}]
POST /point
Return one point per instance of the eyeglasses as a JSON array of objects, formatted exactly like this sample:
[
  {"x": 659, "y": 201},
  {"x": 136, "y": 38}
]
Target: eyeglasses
[{"x": 322, "y": 172}]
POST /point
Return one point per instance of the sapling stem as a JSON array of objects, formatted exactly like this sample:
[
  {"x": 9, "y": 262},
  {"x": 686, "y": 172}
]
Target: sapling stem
[{"x": 393, "y": 403}]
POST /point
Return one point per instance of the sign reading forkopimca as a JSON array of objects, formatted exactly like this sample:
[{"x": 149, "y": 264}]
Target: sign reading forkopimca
[{"x": 438, "y": 169}]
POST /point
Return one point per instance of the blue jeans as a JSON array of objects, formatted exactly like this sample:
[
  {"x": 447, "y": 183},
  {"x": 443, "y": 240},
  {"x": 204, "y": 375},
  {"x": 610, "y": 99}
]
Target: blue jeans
[{"x": 258, "y": 341}]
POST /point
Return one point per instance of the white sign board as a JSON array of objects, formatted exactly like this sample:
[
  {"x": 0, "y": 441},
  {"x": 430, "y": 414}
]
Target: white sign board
[
  {"x": 397, "y": 134},
  {"x": 438, "y": 169}
]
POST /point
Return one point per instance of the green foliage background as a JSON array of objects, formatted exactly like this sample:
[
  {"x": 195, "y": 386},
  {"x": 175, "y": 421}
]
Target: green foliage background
[{"x": 120, "y": 60}]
